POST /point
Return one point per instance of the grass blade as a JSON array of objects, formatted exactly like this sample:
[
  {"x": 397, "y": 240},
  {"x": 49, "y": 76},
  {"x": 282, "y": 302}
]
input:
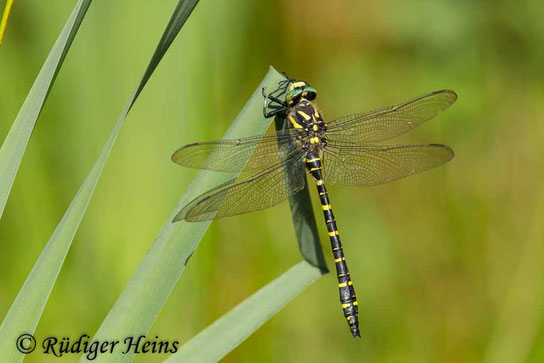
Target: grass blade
[
  {"x": 140, "y": 302},
  {"x": 225, "y": 334},
  {"x": 13, "y": 148},
  {"x": 27, "y": 308},
  {"x": 4, "y": 21},
  {"x": 181, "y": 13},
  {"x": 24, "y": 313}
]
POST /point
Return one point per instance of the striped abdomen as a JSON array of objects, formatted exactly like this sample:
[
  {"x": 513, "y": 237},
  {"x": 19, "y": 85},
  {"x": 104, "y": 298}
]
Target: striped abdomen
[{"x": 345, "y": 285}]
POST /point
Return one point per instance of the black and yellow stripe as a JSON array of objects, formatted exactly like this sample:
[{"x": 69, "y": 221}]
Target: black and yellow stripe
[{"x": 348, "y": 299}]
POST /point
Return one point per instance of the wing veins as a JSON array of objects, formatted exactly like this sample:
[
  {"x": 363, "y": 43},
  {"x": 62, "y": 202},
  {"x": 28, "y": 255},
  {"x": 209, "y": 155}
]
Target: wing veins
[
  {"x": 388, "y": 122},
  {"x": 374, "y": 164},
  {"x": 259, "y": 191},
  {"x": 242, "y": 154}
]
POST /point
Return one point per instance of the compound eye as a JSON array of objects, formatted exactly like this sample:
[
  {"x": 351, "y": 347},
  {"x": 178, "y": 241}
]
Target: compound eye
[
  {"x": 311, "y": 93},
  {"x": 293, "y": 96}
]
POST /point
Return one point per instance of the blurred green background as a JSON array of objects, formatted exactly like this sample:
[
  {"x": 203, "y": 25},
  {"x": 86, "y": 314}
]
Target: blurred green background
[{"x": 448, "y": 265}]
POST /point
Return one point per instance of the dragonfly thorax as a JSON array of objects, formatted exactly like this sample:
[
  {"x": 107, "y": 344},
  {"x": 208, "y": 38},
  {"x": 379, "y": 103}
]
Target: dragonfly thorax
[
  {"x": 304, "y": 115},
  {"x": 306, "y": 118}
]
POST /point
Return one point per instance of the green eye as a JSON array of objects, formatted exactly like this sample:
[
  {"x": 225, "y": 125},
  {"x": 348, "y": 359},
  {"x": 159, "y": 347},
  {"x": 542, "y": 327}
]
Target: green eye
[
  {"x": 292, "y": 95},
  {"x": 303, "y": 91},
  {"x": 309, "y": 93}
]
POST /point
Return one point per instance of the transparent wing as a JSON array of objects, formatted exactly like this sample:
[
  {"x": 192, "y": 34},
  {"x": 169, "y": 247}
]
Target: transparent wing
[
  {"x": 388, "y": 122},
  {"x": 250, "y": 153},
  {"x": 372, "y": 165},
  {"x": 260, "y": 191}
]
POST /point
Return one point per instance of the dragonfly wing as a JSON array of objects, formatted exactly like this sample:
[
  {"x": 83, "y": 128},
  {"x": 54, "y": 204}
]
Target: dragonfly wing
[
  {"x": 248, "y": 153},
  {"x": 372, "y": 165},
  {"x": 389, "y": 122},
  {"x": 260, "y": 191}
]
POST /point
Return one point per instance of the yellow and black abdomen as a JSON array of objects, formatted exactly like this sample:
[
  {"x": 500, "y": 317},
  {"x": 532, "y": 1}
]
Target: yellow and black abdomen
[{"x": 348, "y": 300}]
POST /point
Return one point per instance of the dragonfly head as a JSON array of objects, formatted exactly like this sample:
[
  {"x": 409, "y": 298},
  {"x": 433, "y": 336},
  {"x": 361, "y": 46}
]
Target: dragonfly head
[{"x": 299, "y": 90}]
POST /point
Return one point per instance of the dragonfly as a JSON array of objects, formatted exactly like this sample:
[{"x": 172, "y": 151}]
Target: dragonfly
[{"x": 342, "y": 151}]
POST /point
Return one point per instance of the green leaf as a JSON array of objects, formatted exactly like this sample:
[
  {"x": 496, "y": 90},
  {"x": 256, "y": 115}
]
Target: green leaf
[
  {"x": 4, "y": 21},
  {"x": 181, "y": 13},
  {"x": 225, "y": 334},
  {"x": 25, "y": 312},
  {"x": 140, "y": 302},
  {"x": 13, "y": 148},
  {"x": 27, "y": 308}
]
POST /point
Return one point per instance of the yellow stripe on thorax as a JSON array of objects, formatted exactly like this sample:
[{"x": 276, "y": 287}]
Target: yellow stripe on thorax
[
  {"x": 294, "y": 122},
  {"x": 305, "y": 115}
]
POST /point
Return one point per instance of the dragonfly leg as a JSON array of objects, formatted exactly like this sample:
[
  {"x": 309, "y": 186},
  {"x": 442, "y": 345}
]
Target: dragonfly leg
[
  {"x": 274, "y": 112},
  {"x": 266, "y": 105},
  {"x": 277, "y": 100}
]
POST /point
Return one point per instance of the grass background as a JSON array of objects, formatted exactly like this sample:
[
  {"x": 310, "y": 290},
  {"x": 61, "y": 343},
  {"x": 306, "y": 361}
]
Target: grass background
[{"x": 448, "y": 265}]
